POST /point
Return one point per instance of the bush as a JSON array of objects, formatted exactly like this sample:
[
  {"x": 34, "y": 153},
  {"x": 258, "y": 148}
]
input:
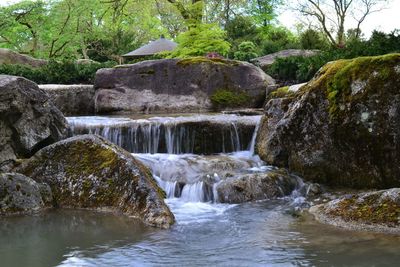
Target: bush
[
  {"x": 66, "y": 72},
  {"x": 247, "y": 51},
  {"x": 225, "y": 98}
]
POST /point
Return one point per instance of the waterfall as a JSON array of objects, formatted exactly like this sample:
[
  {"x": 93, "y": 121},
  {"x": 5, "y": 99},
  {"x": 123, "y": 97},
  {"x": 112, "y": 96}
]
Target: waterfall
[
  {"x": 200, "y": 134},
  {"x": 254, "y": 138}
]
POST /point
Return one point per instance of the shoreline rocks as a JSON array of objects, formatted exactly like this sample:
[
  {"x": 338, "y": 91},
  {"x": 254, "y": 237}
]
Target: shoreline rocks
[
  {"x": 22, "y": 195},
  {"x": 91, "y": 173},
  {"x": 377, "y": 211},
  {"x": 177, "y": 85}
]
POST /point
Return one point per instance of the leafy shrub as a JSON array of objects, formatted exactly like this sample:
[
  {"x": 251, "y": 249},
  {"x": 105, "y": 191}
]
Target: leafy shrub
[
  {"x": 247, "y": 51},
  {"x": 225, "y": 98},
  {"x": 201, "y": 39},
  {"x": 66, "y": 72}
]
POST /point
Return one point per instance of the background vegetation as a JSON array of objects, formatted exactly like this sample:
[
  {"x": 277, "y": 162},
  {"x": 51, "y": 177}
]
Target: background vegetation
[{"x": 102, "y": 30}]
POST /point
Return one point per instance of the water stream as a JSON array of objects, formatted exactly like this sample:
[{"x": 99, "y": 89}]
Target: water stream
[{"x": 207, "y": 232}]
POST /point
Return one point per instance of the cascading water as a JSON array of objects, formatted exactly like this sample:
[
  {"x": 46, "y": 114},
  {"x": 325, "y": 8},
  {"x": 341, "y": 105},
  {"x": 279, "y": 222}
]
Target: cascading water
[
  {"x": 200, "y": 134},
  {"x": 189, "y": 156}
]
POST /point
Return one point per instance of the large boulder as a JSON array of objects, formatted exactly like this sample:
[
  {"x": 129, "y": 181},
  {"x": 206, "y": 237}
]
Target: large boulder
[
  {"x": 176, "y": 85},
  {"x": 377, "y": 211},
  {"x": 28, "y": 119},
  {"x": 89, "y": 172},
  {"x": 71, "y": 100},
  {"x": 342, "y": 128},
  {"x": 8, "y": 56},
  {"x": 20, "y": 194},
  {"x": 265, "y": 61},
  {"x": 256, "y": 186}
]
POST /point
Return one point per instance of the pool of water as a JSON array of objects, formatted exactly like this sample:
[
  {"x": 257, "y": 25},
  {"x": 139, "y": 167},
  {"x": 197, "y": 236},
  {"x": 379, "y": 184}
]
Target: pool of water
[{"x": 252, "y": 234}]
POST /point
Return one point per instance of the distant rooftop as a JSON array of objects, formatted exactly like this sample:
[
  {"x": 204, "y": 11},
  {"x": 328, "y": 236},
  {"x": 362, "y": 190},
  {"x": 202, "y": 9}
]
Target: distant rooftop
[{"x": 152, "y": 48}]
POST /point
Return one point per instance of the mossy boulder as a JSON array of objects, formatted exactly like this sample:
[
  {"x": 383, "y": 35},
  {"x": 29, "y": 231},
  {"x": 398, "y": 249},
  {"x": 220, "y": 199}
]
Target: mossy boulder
[
  {"x": 256, "y": 186},
  {"x": 178, "y": 85},
  {"x": 342, "y": 128},
  {"x": 89, "y": 172},
  {"x": 22, "y": 195},
  {"x": 28, "y": 119},
  {"x": 373, "y": 211}
]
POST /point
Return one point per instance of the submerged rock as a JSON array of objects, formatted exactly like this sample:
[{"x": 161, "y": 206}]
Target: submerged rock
[
  {"x": 377, "y": 211},
  {"x": 177, "y": 85},
  {"x": 256, "y": 186},
  {"x": 89, "y": 172},
  {"x": 21, "y": 195},
  {"x": 28, "y": 119},
  {"x": 342, "y": 128}
]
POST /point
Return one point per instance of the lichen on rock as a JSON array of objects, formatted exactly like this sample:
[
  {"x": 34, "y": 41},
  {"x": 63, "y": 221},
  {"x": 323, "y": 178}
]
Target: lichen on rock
[
  {"x": 342, "y": 128},
  {"x": 90, "y": 172},
  {"x": 373, "y": 211}
]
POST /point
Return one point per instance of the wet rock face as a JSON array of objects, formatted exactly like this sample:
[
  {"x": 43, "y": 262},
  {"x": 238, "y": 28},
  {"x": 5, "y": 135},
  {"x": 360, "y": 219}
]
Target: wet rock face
[
  {"x": 374, "y": 211},
  {"x": 174, "y": 85},
  {"x": 89, "y": 172},
  {"x": 342, "y": 128},
  {"x": 257, "y": 186},
  {"x": 21, "y": 195},
  {"x": 28, "y": 120}
]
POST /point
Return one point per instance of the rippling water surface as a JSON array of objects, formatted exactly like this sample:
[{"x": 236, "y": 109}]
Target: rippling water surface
[{"x": 252, "y": 234}]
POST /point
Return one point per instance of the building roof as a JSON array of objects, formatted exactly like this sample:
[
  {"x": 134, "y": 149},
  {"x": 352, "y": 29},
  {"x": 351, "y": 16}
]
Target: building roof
[{"x": 152, "y": 48}]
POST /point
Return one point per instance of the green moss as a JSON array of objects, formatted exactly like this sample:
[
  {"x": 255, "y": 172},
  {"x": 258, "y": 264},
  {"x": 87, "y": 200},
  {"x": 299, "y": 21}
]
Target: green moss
[
  {"x": 226, "y": 98},
  {"x": 198, "y": 60},
  {"x": 370, "y": 209},
  {"x": 281, "y": 92},
  {"x": 338, "y": 76}
]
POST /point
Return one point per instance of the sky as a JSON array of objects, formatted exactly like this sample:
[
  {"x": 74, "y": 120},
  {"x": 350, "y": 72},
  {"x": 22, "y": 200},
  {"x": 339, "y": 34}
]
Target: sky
[{"x": 386, "y": 20}]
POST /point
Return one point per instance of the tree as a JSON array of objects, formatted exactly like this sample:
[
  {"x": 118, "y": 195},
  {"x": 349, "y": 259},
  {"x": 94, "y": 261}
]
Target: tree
[
  {"x": 200, "y": 40},
  {"x": 191, "y": 12},
  {"x": 333, "y": 14},
  {"x": 263, "y": 11}
]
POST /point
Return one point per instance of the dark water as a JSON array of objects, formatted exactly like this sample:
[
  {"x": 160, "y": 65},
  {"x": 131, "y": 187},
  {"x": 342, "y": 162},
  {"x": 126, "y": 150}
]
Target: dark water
[{"x": 252, "y": 234}]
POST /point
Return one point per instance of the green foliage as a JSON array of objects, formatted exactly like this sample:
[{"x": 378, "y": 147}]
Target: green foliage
[
  {"x": 246, "y": 51},
  {"x": 312, "y": 39},
  {"x": 302, "y": 69},
  {"x": 275, "y": 39},
  {"x": 201, "y": 39},
  {"x": 225, "y": 98},
  {"x": 65, "y": 72}
]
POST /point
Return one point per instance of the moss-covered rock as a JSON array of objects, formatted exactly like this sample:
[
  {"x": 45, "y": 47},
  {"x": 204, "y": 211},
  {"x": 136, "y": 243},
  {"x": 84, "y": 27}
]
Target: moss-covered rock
[
  {"x": 89, "y": 172},
  {"x": 342, "y": 128},
  {"x": 374, "y": 211},
  {"x": 178, "y": 85},
  {"x": 22, "y": 195}
]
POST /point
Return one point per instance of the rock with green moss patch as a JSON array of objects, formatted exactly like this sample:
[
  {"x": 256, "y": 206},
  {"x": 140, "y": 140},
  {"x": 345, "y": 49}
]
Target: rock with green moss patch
[
  {"x": 257, "y": 186},
  {"x": 89, "y": 172},
  {"x": 373, "y": 211},
  {"x": 22, "y": 195},
  {"x": 179, "y": 85},
  {"x": 28, "y": 119},
  {"x": 342, "y": 128}
]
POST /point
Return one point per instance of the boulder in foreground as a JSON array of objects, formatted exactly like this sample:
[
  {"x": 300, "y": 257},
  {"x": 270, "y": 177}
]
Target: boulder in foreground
[
  {"x": 22, "y": 195},
  {"x": 89, "y": 172},
  {"x": 28, "y": 119},
  {"x": 342, "y": 128}
]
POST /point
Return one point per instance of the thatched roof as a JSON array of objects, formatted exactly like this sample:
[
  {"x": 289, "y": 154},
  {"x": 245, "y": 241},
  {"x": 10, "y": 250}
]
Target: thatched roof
[{"x": 152, "y": 48}]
